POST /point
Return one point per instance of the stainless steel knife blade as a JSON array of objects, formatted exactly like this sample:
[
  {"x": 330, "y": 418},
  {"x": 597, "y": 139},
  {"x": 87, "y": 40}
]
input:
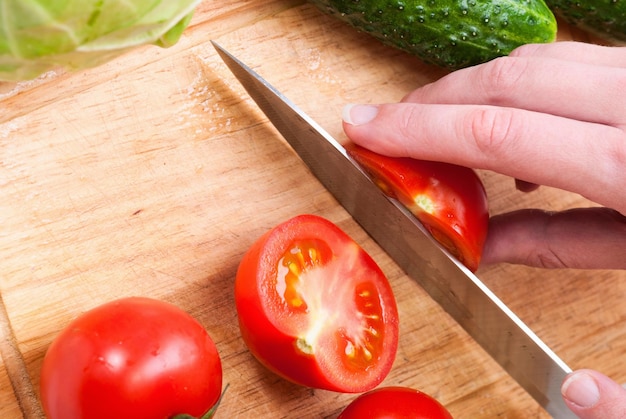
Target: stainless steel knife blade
[{"x": 461, "y": 293}]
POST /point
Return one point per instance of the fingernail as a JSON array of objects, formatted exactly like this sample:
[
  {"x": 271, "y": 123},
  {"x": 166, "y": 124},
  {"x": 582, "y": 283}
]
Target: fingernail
[
  {"x": 581, "y": 389},
  {"x": 359, "y": 114}
]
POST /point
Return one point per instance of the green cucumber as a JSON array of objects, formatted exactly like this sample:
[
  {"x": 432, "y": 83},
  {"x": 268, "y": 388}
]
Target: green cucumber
[
  {"x": 604, "y": 18},
  {"x": 449, "y": 33}
]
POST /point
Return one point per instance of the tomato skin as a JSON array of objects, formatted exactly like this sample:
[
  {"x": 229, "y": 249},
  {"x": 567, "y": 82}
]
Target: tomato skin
[
  {"x": 277, "y": 318},
  {"x": 395, "y": 403},
  {"x": 449, "y": 200},
  {"x": 131, "y": 358}
]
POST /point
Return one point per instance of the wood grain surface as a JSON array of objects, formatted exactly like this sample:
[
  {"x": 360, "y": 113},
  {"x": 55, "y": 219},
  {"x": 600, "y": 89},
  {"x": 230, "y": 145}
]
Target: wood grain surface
[{"x": 152, "y": 174}]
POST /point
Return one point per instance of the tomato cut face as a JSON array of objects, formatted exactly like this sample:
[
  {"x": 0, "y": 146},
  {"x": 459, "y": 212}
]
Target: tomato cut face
[
  {"x": 449, "y": 200},
  {"x": 315, "y": 308},
  {"x": 131, "y": 358},
  {"x": 395, "y": 403}
]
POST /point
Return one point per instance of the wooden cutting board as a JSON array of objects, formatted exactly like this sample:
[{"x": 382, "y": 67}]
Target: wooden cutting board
[{"x": 152, "y": 174}]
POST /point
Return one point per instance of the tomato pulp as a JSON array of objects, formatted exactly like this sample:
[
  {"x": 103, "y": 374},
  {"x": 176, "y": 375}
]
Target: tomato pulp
[
  {"x": 131, "y": 358},
  {"x": 395, "y": 403},
  {"x": 449, "y": 200},
  {"x": 315, "y": 308}
]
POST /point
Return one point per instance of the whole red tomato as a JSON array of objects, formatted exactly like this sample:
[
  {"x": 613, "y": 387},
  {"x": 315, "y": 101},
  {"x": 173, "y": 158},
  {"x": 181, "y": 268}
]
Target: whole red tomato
[
  {"x": 315, "y": 308},
  {"x": 395, "y": 403},
  {"x": 449, "y": 200},
  {"x": 131, "y": 358}
]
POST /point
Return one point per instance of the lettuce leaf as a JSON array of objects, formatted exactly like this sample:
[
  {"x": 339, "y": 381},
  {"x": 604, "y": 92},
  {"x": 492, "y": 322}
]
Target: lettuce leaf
[{"x": 40, "y": 35}]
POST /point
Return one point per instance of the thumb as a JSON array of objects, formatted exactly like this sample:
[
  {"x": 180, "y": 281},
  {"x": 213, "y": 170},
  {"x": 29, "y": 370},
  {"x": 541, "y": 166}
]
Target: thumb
[
  {"x": 591, "y": 395},
  {"x": 584, "y": 238}
]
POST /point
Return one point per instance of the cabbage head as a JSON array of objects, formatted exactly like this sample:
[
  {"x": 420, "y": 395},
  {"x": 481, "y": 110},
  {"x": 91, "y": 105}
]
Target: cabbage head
[{"x": 40, "y": 35}]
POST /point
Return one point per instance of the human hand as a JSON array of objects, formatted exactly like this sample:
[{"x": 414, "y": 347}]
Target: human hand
[
  {"x": 591, "y": 395},
  {"x": 548, "y": 114}
]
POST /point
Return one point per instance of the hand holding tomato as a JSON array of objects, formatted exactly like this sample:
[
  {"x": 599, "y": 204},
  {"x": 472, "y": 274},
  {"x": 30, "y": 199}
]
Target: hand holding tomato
[
  {"x": 549, "y": 114},
  {"x": 131, "y": 358}
]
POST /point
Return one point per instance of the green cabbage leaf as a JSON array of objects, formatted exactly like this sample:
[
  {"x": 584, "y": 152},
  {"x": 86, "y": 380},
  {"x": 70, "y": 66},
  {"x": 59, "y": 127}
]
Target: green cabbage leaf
[{"x": 40, "y": 35}]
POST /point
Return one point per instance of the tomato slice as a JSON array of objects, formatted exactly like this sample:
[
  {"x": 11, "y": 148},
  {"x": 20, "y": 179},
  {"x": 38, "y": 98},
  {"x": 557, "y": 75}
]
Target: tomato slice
[
  {"x": 395, "y": 403},
  {"x": 449, "y": 200},
  {"x": 315, "y": 308}
]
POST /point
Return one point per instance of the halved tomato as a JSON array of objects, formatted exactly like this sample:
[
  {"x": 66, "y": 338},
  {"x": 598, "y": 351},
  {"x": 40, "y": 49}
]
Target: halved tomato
[
  {"x": 449, "y": 200},
  {"x": 315, "y": 308},
  {"x": 395, "y": 403}
]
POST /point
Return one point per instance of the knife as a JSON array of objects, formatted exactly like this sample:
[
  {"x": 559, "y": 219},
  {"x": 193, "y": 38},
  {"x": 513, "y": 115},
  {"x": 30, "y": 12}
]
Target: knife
[{"x": 462, "y": 294}]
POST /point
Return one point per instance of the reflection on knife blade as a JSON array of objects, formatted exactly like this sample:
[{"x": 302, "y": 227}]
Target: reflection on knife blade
[{"x": 463, "y": 295}]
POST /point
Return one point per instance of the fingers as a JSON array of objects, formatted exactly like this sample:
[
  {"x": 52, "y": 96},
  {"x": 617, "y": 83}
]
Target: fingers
[
  {"x": 535, "y": 147},
  {"x": 586, "y": 238},
  {"x": 591, "y": 395},
  {"x": 586, "y": 91}
]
